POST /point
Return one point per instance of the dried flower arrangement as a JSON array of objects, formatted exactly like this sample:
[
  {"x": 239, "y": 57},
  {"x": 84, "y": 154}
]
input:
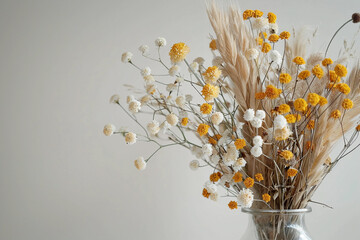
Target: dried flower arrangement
[{"x": 265, "y": 122}]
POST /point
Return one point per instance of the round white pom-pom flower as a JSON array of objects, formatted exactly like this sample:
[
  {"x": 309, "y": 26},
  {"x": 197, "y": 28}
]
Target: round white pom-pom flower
[
  {"x": 146, "y": 71},
  {"x": 179, "y": 80},
  {"x": 130, "y": 98},
  {"x": 109, "y": 129},
  {"x": 134, "y": 106},
  {"x": 126, "y": 57},
  {"x": 249, "y": 114},
  {"x": 231, "y": 155},
  {"x": 160, "y": 42},
  {"x": 260, "y": 114},
  {"x": 214, "y": 196},
  {"x": 194, "y": 67},
  {"x": 172, "y": 119},
  {"x": 207, "y": 149},
  {"x": 256, "y": 151},
  {"x": 240, "y": 163},
  {"x": 149, "y": 79},
  {"x": 245, "y": 198},
  {"x": 144, "y": 49},
  {"x": 275, "y": 57},
  {"x": 217, "y": 61},
  {"x": 188, "y": 97},
  {"x": 145, "y": 99},
  {"x": 251, "y": 54},
  {"x": 115, "y": 98},
  {"x": 140, "y": 164},
  {"x": 130, "y": 138},
  {"x": 273, "y": 28},
  {"x": 170, "y": 87},
  {"x": 217, "y": 118},
  {"x": 174, "y": 70},
  {"x": 261, "y": 23},
  {"x": 199, "y": 60},
  {"x": 210, "y": 187},
  {"x": 194, "y": 165},
  {"x": 258, "y": 141},
  {"x": 153, "y": 127},
  {"x": 280, "y": 122},
  {"x": 180, "y": 101},
  {"x": 256, "y": 122}
]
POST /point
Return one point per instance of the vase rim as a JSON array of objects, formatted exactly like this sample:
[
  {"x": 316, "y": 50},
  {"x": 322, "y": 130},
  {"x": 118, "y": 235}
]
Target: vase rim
[{"x": 276, "y": 211}]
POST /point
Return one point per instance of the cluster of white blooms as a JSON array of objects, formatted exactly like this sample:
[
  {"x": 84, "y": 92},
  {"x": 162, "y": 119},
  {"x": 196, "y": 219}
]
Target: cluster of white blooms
[
  {"x": 240, "y": 163},
  {"x": 217, "y": 118},
  {"x": 207, "y": 150},
  {"x": 109, "y": 129},
  {"x": 261, "y": 23},
  {"x": 231, "y": 155},
  {"x": 194, "y": 165},
  {"x": 134, "y": 106},
  {"x": 251, "y": 54},
  {"x": 245, "y": 198},
  {"x": 172, "y": 119},
  {"x": 249, "y": 114},
  {"x": 160, "y": 42},
  {"x": 258, "y": 141},
  {"x": 153, "y": 127},
  {"x": 146, "y": 71},
  {"x": 149, "y": 79},
  {"x": 174, "y": 70},
  {"x": 275, "y": 57},
  {"x": 194, "y": 67},
  {"x": 144, "y": 49},
  {"x": 115, "y": 98},
  {"x": 140, "y": 164},
  {"x": 255, "y": 120},
  {"x": 280, "y": 122},
  {"x": 126, "y": 57},
  {"x": 130, "y": 138},
  {"x": 180, "y": 101}
]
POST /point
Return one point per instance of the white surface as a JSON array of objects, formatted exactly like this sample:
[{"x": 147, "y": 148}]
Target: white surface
[{"x": 60, "y": 178}]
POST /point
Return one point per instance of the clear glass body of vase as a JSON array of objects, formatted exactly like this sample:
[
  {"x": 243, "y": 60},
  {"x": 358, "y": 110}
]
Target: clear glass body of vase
[{"x": 276, "y": 224}]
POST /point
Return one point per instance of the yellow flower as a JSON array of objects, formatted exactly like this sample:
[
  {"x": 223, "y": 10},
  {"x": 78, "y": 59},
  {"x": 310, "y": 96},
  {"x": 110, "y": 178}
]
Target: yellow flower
[
  {"x": 358, "y": 128},
  {"x": 212, "y": 141},
  {"x": 203, "y": 129},
  {"x": 318, "y": 72},
  {"x": 212, "y": 45},
  {"x": 266, "y": 197},
  {"x": 285, "y": 78},
  {"x": 287, "y": 155},
  {"x": 212, "y": 74},
  {"x": 323, "y": 101},
  {"x": 290, "y": 118},
  {"x": 206, "y": 108},
  {"x": 272, "y": 92},
  {"x": 310, "y": 125},
  {"x": 263, "y": 35},
  {"x": 285, "y": 35},
  {"x": 271, "y": 17},
  {"x": 300, "y": 105},
  {"x": 299, "y": 60},
  {"x": 313, "y": 99},
  {"x": 343, "y": 88},
  {"x": 257, "y": 14},
  {"x": 260, "y": 95},
  {"x": 335, "y": 114},
  {"x": 248, "y": 14},
  {"x": 215, "y": 177},
  {"x": 259, "y": 41},
  {"x": 347, "y": 104},
  {"x": 237, "y": 177},
  {"x": 210, "y": 92},
  {"x": 266, "y": 48},
  {"x": 178, "y": 52},
  {"x": 304, "y": 74},
  {"x": 334, "y": 77},
  {"x": 340, "y": 70},
  {"x": 284, "y": 108},
  {"x": 184, "y": 121},
  {"x": 259, "y": 177},
  {"x": 240, "y": 143},
  {"x": 205, "y": 193},
  {"x": 233, "y": 205},
  {"x": 249, "y": 182},
  {"x": 291, "y": 172},
  {"x": 274, "y": 38},
  {"x": 326, "y": 62}
]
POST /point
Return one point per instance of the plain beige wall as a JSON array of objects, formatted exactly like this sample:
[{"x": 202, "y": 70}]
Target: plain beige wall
[{"x": 60, "y": 178}]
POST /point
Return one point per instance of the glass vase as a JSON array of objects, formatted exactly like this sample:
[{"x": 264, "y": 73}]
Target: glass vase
[{"x": 276, "y": 224}]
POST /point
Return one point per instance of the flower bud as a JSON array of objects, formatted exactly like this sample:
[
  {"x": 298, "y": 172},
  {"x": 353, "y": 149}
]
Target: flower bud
[{"x": 356, "y": 17}]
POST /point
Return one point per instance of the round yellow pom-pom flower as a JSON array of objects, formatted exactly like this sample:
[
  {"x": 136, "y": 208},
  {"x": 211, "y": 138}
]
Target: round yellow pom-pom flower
[
  {"x": 178, "y": 52},
  {"x": 272, "y": 17},
  {"x": 334, "y": 77},
  {"x": 212, "y": 74},
  {"x": 323, "y": 101},
  {"x": 287, "y": 155},
  {"x": 299, "y": 60},
  {"x": 304, "y": 74},
  {"x": 343, "y": 88},
  {"x": 212, "y": 45},
  {"x": 272, "y": 92},
  {"x": 266, "y": 197},
  {"x": 300, "y": 105},
  {"x": 259, "y": 41},
  {"x": 233, "y": 205},
  {"x": 248, "y": 14},
  {"x": 290, "y": 118},
  {"x": 240, "y": 143},
  {"x": 285, "y": 78},
  {"x": 203, "y": 129},
  {"x": 327, "y": 61},
  {"x": 263, "y": 35},
  {"x": 215, "y": 177},
  {"x": 259, "y": 177},
  {"x": 249, "y": 182},
  {"x": 340, "y": 70},
  {"x": 358, "y": 128},
  {"x": 260, "y": 95},
  {"x": 347, "y": 104},
  {"x": 274, "y": 38},
  {"x": 266, "y": 47},
  {"x": 318, "y": 71},
  {"x": 285, "y": 35},
  {"x": 206, "y": 108},
  {"x": 257, "y": 14},
  {"x": 291, "y": 172},
  {"x": 205, "y": 193},
  {"x": 311, "y": 124},
  {"x": 335, "y": 114},
  {"x": 210, "y": 92},
  {"x": 184, "y": 121},
  {"x": 237, "y": 177},
  {"x": 313, "y": 99},
  {"x": 284, "y": 108}
]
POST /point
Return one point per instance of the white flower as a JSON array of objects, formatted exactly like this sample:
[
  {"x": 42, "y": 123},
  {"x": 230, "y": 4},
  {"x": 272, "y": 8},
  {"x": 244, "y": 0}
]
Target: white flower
[
  {"x": 126, "y": 57},
  {"x": 273, "y": 28},
  {"x": 188, "y": 97},
  {"x": 174, "y": 70},
  {"x": 150, "y": 89},
  {"x": 245, "y": 198},
  {"x": 256, "y": 122},
  {"x": 258, "y": 141},
  {"x": 145, "y": 99},
  {"x": 210, "y": 187},
  {"x": 214, "y": 196},
  {"x": 251, "y": 54},
  {"x": 140, "y": 164},
  {"x": 144, "y": 49},
  {"x": 179, "y": 80},
  {"x": 280, "y": 122},
  {"x": 194, "y": 67},
  {"x": 180, "y": 101},
  {"x": 256, "y": 151},
  {"x": 249, "y": 114},
  {"x": 207, "y": 149},
  {"x": 199, "y": 60},
  {"x": 240, "y": 163},
  {"x": 164, "y": 126},
  {"x": 217, "y": 118},
  {"x": 149, "y": 79},
  {"x": 146, "y": 71},
  {"x": 153, "y": 127},
  {"x": 170, "y": 87},
  {"x": 160, "y": 42},
  {"x": 134, "y": 106},
  {"x": 261, "y": 23},
  {"x": 275, "y": 57},
  {"x": 260, "y": 114},
  {"x": 130, "y": 98},
  {"x": 172, "y": 119},
  {"x": 215, "y": 158},
  {"x": 194, "y": 165},
  {"x": 109, "y": 129},
  {"x": 114, "y": 98},
  {"x": 231, "y": 155},
  {"x": 217, "y": 61},
  {"x": 196, "y": 151}
]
